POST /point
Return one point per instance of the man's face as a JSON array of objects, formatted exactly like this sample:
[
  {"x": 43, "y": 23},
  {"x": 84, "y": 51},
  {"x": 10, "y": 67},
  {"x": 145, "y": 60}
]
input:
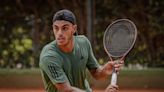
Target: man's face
[{"x": 63, "y": 31}]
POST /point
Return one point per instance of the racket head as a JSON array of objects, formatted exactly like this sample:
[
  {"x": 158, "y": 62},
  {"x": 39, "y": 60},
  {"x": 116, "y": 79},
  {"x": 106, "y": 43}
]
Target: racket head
[{"x": 119, "y": 37}]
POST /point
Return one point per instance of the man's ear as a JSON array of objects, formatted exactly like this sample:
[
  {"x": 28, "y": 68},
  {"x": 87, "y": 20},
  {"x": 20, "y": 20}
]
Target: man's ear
[{"x": 75, "y": 30}]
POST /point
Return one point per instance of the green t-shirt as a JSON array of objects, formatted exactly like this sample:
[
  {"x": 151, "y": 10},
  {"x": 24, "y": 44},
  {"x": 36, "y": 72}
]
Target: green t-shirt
[{"x": 58, "y": 67}]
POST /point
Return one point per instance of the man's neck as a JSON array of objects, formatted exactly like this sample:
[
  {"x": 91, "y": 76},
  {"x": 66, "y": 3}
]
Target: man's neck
[{"x": 68, "y": 47}]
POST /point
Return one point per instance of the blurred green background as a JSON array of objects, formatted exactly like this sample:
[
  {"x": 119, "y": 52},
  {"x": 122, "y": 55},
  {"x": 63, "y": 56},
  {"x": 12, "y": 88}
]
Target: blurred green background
[{"x": 25, "y": 27}]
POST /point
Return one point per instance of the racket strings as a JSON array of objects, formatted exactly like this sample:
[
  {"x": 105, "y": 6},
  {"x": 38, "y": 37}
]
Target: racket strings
[{"x": 119, "y": 37}]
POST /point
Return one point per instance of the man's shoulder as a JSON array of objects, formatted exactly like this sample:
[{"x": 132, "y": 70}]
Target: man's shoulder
[
  {"x": 50, "y": 44},
  {"x": 81, "y": 38},
  {"x": 49, "y": 50},
  {"x": 48, "y": 54}
]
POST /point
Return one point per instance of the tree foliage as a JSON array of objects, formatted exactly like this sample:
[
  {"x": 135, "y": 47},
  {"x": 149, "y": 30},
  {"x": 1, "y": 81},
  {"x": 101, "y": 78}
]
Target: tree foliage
[
  {"x": 148, "y": 15},
  {"x": 25, "y": 27}
]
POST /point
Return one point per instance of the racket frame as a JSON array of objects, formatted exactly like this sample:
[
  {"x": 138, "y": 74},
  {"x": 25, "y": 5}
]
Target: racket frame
[{"x": 114, "y": 73}]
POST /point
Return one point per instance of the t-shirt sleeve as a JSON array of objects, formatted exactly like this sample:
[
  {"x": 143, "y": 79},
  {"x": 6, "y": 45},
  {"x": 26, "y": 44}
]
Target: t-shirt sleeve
[
  {"x": 53, "y": 68},
  {"x": 92, "y": 62}
]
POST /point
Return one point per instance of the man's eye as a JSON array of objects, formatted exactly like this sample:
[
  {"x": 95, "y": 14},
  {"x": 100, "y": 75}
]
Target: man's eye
[
  {"x": 55, "y": 29},
  {"x": 65, "y": 28}
]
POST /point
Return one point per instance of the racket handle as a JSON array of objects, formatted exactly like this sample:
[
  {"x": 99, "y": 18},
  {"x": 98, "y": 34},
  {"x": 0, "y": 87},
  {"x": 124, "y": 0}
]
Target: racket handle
[{"x": 114, "y": 78}]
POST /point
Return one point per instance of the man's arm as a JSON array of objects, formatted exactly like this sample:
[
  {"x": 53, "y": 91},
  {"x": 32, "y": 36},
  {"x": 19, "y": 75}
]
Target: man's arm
[
  {"x": 106, "y": 70},
  {"x": 66, "y": 87}
]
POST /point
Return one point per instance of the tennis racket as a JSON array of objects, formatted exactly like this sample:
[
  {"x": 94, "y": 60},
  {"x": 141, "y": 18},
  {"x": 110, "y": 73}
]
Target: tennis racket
[{"x": 118, "y": 40}]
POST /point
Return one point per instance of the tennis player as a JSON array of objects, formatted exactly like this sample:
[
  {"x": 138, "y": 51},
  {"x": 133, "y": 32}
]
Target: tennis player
[{"x": 63, "y": 62}]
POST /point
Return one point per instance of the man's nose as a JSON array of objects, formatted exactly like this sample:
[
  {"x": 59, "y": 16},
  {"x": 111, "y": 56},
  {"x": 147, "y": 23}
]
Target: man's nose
[{"x": 60, "y": 32}]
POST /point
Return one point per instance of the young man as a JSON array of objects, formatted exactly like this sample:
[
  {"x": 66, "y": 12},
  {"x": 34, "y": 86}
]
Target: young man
[{"x": 63, "y": 62}]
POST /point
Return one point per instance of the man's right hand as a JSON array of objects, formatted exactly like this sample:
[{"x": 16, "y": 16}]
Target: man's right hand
[{"x": 111, "y": 88}]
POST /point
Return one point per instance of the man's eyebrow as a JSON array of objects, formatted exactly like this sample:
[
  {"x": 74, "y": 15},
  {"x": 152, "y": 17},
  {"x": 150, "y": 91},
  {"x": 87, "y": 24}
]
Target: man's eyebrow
[
  {"x": 62, "y": 25},
  {"x": 54, "y": 25},
  {"x": 66, "y": 25}
]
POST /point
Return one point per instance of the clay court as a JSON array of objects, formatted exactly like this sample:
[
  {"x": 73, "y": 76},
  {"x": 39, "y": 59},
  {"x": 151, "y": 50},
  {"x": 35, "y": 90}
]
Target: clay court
[
  {"x": 31, "y": 81},
  {"x": 41, "y": 90}
]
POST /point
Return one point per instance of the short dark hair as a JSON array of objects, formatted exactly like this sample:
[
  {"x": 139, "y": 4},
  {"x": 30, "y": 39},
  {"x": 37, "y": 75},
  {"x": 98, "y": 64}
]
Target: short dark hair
[{"x": 66, "y": 15}]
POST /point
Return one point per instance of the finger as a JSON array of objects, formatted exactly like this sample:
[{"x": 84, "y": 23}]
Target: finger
[
  {"x": 116, "y": 87},
  {"x": 113, "y": 86},
  {"x": 117, "y": 73},
  {"x": 112, "y": 90},
  {"x": 122, "y": 62},
  {"x": 111, "y": 62},
  {"x": 117, "y": 69},
  {"x": 119, "y": 61},
  {"x": 118, "y": 65},
  {"x": 116, "y": 61}
]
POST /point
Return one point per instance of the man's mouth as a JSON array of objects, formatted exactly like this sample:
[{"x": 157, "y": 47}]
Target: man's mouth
[{"x": 60, "y": 39}]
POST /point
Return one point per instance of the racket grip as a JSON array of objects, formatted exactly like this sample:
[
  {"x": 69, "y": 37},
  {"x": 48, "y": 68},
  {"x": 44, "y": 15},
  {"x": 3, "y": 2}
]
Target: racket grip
[{"x": 114, "y": 78}]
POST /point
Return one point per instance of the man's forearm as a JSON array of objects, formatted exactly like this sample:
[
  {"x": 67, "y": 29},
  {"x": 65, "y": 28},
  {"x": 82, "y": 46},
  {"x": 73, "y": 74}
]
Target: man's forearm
[
  {"x": 101, "y": 72},
  {"x": 106, "y": 69},
  {"x": 66, "y": 87}
]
